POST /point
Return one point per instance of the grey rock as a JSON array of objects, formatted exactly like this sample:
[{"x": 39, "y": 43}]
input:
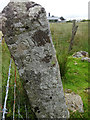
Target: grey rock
[
  {"x": 84, "y": 53},
  {"x": 80, "y": 54},
  {"x": 2, "y": 19},
  {"x": 87, "y": 90},
  {"x": 28, "y": 37},
  {"x": 74, "y": 102},
  {"x": 85, "y": 59},
  {"x": 77, "y": 55}
]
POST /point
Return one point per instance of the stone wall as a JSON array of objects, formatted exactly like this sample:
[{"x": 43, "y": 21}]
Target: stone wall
[{"x": 28, "y": 37}]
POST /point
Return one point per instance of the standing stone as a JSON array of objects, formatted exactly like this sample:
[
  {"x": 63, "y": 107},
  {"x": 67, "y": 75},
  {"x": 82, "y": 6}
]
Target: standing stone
[{"x": 27, "y": 35}]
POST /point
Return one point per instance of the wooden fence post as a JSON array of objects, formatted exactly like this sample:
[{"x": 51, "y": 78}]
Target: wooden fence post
[{"x": 74, "y": 30}]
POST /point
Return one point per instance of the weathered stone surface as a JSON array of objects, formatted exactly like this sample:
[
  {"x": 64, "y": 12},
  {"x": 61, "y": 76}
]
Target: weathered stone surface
[
  {"x": 27, "y": 35},
  {"x": 83, "y": 55},
  {"x": 2, "y": 19},
  {"x": 80, "y": 54},
  {"x": 85, "y": 59},
  {"x": 74, "y": 102}
]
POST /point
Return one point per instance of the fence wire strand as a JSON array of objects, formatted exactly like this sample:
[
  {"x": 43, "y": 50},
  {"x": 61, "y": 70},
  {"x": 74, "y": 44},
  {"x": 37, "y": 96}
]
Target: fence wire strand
[{"x": 7, "y": 90}]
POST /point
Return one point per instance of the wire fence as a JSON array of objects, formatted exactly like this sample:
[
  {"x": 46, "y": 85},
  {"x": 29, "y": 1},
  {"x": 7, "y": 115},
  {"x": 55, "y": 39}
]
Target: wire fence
[
  {"x": 4, "y": 109},
  {"x": 12, "y": 94},
  {"x": 7, "y": 90},
  {"x": 0, "y": 76}
]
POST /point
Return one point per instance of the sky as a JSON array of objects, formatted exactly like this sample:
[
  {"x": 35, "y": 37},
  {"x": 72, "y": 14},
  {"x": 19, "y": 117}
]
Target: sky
[{"x": 69, "y": 9}]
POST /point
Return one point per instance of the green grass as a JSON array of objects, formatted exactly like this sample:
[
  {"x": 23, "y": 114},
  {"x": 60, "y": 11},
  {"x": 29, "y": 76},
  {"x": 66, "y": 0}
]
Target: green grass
[
  {"x": 61, "y": 35},
  {"x": 74, "y": 77},
  {"x": 0, "y": 75}
]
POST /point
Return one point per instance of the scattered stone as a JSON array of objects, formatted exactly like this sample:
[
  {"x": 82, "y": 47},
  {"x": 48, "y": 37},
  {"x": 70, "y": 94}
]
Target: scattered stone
[
  {"x": 80, "y": 54},
  {"x": 83, "y": 55},
  {"x": 75, "y": 73},
  {"x": 28, "y": 37},
  {"x": 74, "y": 102},
  {"x": 85, "y": 59},
  {"x": 77, "y": 55},
  {"x": 89, "y": 60},
  {"x": 75, "y": 63},
  {"x": 87, "y": 90},
  {"x": 68, "y": 90}
]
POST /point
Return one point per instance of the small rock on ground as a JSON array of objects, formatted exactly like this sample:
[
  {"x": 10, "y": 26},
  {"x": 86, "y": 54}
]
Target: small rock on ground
[
  {"x": 80, "y": 54},
  {"x": 74, "y": 102}
]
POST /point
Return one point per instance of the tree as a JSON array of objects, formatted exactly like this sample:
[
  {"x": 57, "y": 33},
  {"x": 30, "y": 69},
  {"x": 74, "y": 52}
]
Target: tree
[
  {"x": 52, "y": 15},
  {"x": 62, "y": 18}
]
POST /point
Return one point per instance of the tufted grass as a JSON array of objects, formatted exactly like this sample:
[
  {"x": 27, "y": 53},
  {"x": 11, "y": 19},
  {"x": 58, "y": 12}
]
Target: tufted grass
[
  {"x": 61, "y": 34},
  {"x": 74, "y": 77}
]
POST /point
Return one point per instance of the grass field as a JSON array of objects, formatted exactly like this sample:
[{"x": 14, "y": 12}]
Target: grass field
[
  {"x": 61, "y": 34},
  {"x": 74, "y": 77}
]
